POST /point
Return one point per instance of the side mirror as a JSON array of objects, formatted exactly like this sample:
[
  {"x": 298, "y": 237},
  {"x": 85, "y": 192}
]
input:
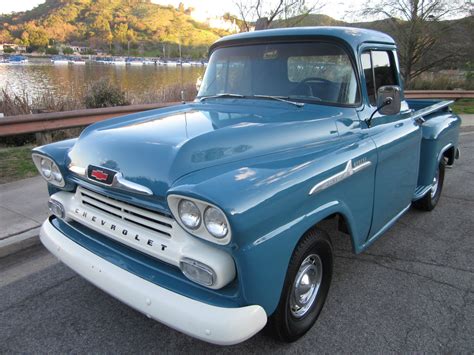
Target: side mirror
[{"x": 388, "y": 100}]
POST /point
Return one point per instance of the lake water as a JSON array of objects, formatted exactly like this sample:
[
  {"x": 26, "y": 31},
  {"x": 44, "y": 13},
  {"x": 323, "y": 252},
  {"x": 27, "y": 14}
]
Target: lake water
[{"x": 40, "y": 75}]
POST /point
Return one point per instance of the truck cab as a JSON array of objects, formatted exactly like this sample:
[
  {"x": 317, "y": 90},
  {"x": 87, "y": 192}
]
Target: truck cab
[{"x": 206, "y": 216}]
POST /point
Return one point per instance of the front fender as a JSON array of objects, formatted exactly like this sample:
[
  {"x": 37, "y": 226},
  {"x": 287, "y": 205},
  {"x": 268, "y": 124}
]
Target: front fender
[{"x": 268, "y": 205}]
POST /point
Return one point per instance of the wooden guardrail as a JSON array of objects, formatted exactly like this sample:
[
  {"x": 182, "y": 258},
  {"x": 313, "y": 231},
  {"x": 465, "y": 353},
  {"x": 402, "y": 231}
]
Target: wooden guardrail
[
  {"x": 439, "y": 94},
  {"x": 44, "y": 122}
]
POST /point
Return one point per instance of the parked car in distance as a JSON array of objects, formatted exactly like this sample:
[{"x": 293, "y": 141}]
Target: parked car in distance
[{"x": 206, "y": 216}]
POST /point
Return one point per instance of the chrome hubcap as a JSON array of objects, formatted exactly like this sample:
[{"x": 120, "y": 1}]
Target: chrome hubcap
[
  {"x": 434, "y": 187},
  {"x": 306, "y": 285}
]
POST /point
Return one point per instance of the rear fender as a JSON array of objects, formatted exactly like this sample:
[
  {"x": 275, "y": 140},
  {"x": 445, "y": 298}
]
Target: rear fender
[{"x": 440, "y": 139}]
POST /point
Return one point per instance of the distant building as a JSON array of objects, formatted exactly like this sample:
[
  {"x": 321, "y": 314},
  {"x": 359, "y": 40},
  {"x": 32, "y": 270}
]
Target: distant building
[
  {"x": 221, "y": 23},
  {"x": 17, "y": 47},
  {"x": 79, "y": 49},
  {"x": 213, "y": 21}
]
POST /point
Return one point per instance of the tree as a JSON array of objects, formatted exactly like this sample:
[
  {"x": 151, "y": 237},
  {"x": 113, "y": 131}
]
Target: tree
[
  {"x": 417, "y": 27},
  {"x": 263, "y": 13},
  {"x": 120, "y": 33},
  {"x": 34, "y": 36},
  {"x": 5, "y": 36}
]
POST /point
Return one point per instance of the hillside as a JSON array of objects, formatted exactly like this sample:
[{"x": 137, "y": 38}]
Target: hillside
[
  {"x": 105, "y": 24},
  {"x": 455, "y": 35}
]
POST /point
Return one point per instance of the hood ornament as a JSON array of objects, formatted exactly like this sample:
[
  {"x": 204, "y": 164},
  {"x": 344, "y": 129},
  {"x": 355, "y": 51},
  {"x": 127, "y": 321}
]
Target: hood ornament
[{"x": 108, "y": 177}]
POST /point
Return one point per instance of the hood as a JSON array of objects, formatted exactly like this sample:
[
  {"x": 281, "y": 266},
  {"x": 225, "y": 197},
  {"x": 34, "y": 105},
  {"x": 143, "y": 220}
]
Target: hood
[{"x": 155, "y": 148}]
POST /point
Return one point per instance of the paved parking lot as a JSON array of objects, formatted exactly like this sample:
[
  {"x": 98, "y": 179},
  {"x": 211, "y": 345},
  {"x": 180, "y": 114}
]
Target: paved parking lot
[{"x": 413, "y": 290}]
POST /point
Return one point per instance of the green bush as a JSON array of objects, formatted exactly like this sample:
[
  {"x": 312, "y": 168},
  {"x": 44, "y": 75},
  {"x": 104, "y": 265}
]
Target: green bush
[
  {"x": 52, "y": 51},
  {"x": 8, "y": 50},
  {"x": 68, "y": 51},
  {"x": 104, "y": 94}
]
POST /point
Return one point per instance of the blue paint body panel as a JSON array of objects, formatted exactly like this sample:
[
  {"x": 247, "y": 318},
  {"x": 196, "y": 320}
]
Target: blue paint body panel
[{"x": 258, "y": 160}]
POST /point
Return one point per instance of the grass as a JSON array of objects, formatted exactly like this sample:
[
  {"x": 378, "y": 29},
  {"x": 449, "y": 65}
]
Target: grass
[
  {"x": 16, "y": 164},
  {"x": 464, "y": 106}
]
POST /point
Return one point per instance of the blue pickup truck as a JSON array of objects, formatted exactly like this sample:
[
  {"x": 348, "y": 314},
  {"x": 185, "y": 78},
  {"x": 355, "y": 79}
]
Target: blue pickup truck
[{"x": 206, "y": 216}]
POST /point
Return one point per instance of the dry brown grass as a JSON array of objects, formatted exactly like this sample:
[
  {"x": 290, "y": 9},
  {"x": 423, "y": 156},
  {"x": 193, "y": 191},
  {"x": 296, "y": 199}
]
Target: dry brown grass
[
  {"x": 170, "y": 93},
  {"x": 14, "y": 104}
]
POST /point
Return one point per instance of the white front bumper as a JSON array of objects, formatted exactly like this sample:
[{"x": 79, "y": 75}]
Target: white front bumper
[{"x": 218, "y": 325}]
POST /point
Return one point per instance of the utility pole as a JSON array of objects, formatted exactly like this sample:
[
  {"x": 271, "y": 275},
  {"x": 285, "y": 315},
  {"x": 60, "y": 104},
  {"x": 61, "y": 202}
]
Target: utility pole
[{"x": 181, "y": 70}]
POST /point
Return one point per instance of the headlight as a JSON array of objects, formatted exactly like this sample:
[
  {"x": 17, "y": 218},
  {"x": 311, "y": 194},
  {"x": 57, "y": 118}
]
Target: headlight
[
  {"x": 201, "y": 219},
  {"x": 189, "y": 214},
  {"x": 215, "y": 222},
  {"x": 48, "y": 169},
  {"x": 56, "y": 173}
]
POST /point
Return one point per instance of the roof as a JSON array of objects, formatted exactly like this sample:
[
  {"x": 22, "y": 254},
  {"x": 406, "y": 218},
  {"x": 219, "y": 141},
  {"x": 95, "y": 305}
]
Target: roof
[{"x": 352, "y": 35}]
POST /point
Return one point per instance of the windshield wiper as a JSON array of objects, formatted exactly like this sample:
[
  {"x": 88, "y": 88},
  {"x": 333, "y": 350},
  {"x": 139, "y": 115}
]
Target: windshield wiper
[
  {"x": 202, "y": 98},
  {"x": 279, "y": 98}
]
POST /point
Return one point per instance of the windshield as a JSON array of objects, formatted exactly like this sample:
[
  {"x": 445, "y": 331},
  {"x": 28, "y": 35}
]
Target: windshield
[{"x": 310, "y": 72}]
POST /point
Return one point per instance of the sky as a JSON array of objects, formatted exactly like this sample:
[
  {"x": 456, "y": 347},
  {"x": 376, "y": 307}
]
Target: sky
[{"x": 204, "y": 8}]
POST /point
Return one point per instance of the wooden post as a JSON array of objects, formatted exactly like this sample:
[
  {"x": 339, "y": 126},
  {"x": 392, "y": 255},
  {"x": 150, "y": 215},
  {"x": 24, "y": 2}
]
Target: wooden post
[{"x": 43, "y": 138}]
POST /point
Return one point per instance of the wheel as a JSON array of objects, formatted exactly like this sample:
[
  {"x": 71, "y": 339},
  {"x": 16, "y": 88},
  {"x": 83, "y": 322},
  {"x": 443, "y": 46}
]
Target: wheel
[
  {"x": 306, "y": 286},
  {"x": 430, "y": 200}
]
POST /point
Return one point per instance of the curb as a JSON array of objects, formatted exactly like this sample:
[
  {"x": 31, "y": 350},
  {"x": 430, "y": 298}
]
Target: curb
[{"x": 19, "y": 242}]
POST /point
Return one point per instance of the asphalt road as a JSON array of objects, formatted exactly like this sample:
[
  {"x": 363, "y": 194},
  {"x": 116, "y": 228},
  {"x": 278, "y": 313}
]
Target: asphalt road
[{"x": 413, "y": 290}]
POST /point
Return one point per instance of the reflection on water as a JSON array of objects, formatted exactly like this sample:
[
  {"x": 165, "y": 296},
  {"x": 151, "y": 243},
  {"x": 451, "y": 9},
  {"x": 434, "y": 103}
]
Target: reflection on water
[{"x": 39, "y": 75}]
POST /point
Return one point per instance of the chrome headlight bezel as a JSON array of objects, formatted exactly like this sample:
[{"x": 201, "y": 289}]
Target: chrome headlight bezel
[
  {"x": 201, "y": 231},
  {"x": 52, "y": 175}
]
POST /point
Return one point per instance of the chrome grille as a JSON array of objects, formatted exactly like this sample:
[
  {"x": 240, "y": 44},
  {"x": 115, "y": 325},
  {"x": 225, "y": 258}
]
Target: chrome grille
[{"x": 151, "y": 220}]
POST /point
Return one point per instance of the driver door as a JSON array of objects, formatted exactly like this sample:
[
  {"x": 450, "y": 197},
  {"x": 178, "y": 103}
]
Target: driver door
[{"x": 397, "y": 138}]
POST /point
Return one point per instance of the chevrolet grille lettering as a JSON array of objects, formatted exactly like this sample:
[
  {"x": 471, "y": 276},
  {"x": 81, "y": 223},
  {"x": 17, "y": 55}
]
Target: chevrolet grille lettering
[{"x": 118, "y": 230}]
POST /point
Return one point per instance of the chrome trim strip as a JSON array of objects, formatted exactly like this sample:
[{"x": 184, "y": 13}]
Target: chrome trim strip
[
  {"x": 77, "y": 169},
  {"x": 348, "y": 171},
  {"x": 119, "y": 181}
]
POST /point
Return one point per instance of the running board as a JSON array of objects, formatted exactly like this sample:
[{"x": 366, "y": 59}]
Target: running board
[
  {"x": 382, "y": 230},
  {"x": 421, "y": 191}
]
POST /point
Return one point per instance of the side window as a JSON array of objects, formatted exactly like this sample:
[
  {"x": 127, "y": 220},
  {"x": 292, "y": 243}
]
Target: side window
[
  {"x": 384, "y": 68},
  {"x": 379, "y": 70},
  {"x": 369, "y": 77}
]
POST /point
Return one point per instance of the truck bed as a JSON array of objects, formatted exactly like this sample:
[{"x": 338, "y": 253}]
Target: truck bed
[{"x": 420, "y": 104}]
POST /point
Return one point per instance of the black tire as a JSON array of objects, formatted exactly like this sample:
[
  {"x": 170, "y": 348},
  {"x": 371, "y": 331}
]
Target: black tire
[
  {"x": 285, "y": 323},
  {"x": 430, "y": 200}
]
